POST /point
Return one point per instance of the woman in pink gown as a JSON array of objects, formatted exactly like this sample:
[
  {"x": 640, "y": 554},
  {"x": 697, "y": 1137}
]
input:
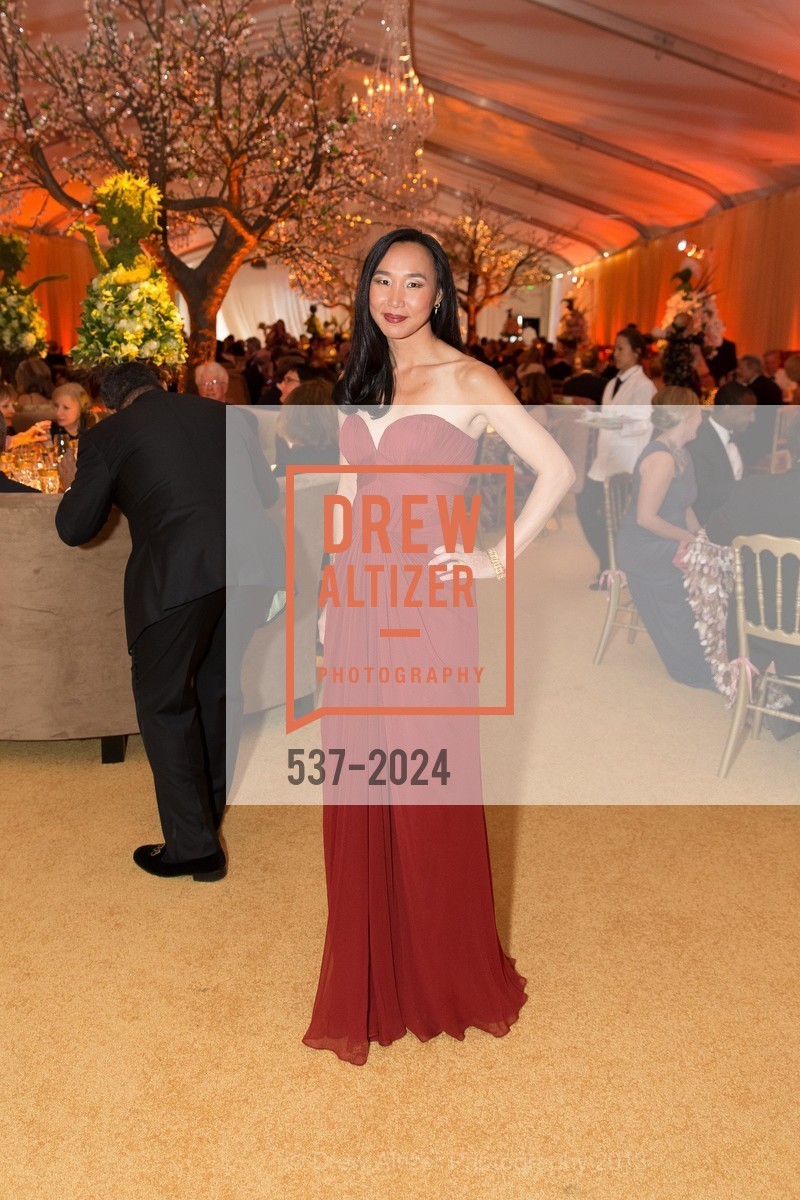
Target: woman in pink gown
[{"x": 411, "y": 942}]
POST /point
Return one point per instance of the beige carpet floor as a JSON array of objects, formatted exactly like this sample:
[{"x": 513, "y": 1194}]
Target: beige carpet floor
[{"x": 151, "y": 1029}]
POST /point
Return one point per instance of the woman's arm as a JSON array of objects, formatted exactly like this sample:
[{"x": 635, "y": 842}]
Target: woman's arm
[
  {"x": 657, "y": 472},
  {"x": 554, "y": 472},
  {"x": 692, "y": 522},
  {"x": 528, "y": 439}
]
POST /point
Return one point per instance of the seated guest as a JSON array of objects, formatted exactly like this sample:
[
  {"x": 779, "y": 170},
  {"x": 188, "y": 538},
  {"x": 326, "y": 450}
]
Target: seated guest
[
  {"x": 307, "y": 429},
  {"x": 74, "y": 413},
  {"x": 253, "y": 377},
  {"x": 211, "y": 381},
  {"x": 38, "y": 432},
  {"x": 557, "y": 366},
  {"x": 721, "y": 361},
  {"x": 508, "y": 374},
  {"x": 6, "y": 484},
  {"x": 756, "y": 443},
  {"x": 775, "y": 369},
  {"x": 529, "y": 363},
  {"x": 292, "y": 371},
  {"x": 34, "y": 383},
  {"x": 768, "y": 504},
  {"x": 585, "y": 384},
  {"x": 537, "y": 388},
  {"x": 792, "y": 371},
  {"x": 8, "y": 406},
  {"x": 715, "y": 451},
  {"x": 659, "y": 519}
]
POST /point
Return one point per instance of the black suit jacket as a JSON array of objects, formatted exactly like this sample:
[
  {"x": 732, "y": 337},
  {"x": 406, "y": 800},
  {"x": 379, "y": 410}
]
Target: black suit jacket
[
  {"x": 255, "y": 552},
  {"x": 756, "y": 441},
  {"x": 11, "y": 485},
  {"x": 161, "y": 460},
  {"x": 766, "y": 391},
  {"x": 712, "y": 469},
  {"x": 586, "y": 386}
]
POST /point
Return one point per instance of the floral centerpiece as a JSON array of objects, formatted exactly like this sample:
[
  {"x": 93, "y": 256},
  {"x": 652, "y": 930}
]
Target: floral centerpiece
[
  {"x": 128, "y": 312},
  {"x": 573, "y": 328},
  {"x": 23, "y": 331},
  {"x": 696, "y": 304},
  {"x": 691, "y": 327}
]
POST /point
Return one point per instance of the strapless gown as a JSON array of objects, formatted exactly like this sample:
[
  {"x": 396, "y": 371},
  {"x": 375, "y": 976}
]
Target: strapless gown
[{"x": 411, "y": 941}]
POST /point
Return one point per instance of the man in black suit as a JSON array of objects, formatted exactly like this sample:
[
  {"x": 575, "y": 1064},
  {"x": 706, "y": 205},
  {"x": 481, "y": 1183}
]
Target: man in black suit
[
  {"x": 586, "y": 384},
  {"x": 768, "y": 504},
  {"x": 161, "y": 460},
  {"x": 715, "y": 453},
  {"x": 757, "y": 442}
]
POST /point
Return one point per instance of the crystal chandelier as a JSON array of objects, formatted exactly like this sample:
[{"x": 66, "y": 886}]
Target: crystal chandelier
[{"x": 397, "y": 108}]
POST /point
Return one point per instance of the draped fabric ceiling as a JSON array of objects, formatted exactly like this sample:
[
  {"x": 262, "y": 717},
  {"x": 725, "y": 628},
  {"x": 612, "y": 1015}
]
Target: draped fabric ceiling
[{"x": 609, "y": 127}]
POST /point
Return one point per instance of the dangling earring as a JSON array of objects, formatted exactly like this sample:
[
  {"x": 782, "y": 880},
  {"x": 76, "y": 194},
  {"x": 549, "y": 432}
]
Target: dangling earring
[{"x": 436, "y": 306}]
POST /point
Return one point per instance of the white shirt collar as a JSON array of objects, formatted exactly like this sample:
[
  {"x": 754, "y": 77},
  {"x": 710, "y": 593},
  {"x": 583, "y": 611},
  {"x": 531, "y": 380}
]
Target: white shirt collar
[{"x": 723, "y": 434}]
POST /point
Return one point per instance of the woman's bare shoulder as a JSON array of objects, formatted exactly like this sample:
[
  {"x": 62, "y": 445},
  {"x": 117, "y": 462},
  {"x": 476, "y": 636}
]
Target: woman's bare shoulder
[{"x": 479, "y": 384}]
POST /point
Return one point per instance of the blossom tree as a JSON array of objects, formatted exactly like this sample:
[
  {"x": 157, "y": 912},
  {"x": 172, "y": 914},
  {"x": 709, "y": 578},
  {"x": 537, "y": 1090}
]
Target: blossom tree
[
  {"x": 488, "y": 260},
  {"x": 249, "y": 134}
]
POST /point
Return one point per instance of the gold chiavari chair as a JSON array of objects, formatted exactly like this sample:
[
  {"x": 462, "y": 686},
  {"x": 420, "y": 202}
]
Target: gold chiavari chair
[
  {"x": 781, "y": 459},
  {"x": 621, "y": 612},
  {"x": 758, "y": 559}
]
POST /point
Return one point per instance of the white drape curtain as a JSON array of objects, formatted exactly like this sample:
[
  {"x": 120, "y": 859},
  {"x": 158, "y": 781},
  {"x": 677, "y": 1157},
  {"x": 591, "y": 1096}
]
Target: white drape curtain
[{"x": 261, "y": 295}]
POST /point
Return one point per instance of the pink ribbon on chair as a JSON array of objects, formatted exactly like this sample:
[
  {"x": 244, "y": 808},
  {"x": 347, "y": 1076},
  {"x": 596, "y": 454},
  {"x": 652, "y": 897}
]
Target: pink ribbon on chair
[
  {"x": 750, "y": 670},
  {"x": 608, "y": 577}
]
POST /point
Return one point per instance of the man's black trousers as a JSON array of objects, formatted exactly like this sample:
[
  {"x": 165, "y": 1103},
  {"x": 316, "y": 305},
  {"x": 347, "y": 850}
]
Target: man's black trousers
[{"x": 179, "y": 688}]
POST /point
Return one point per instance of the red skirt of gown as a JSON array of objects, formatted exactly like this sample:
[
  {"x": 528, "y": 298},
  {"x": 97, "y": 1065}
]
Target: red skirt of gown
[{"x": 411, "y": 941}]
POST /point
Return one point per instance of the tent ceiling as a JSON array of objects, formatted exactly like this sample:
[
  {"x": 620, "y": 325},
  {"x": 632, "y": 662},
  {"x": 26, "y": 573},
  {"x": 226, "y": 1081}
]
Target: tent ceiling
[{"x": 585, "y": 119}]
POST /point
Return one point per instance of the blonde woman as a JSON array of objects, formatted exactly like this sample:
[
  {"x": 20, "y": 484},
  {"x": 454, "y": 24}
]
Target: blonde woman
[
  {"x": 659, "y": 519},
  {"x": 74, "y": 414}
]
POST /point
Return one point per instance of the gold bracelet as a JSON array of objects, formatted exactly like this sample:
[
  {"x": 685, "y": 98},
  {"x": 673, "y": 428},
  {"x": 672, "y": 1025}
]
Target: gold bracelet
[{"x": 494, "y": 559}]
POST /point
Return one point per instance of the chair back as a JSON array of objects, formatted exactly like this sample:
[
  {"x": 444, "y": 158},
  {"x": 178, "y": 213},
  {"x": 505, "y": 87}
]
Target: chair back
[
  {"x": 766, "y": 575},
  {"x": 617, "y": 492},
  {"x": 781, "y": 459}
]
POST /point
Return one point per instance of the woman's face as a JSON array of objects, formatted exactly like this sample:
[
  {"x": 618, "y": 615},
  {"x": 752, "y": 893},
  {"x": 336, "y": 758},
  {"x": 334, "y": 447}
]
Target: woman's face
[
  {"x": 403, "y": 291},
  {"x": 288, "y": 384},
  {"x": 7, "y": 407},
  {"x": 68, "y": 412},
  {"x": 624, "y": 356}
]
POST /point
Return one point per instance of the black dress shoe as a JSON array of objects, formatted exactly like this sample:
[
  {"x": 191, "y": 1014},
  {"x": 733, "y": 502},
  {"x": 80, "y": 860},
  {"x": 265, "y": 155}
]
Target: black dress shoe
[{"x": 204, "y": 870}]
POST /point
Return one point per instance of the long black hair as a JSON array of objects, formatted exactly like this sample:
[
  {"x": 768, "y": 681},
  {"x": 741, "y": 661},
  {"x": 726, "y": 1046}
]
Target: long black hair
[{"x": 368, "y": 380}]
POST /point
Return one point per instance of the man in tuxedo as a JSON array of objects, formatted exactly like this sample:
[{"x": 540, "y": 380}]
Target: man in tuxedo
[
  {"x": 715, "y": 452},
  {"x": 768, "y": 504},
  {"x": 161, "y": 459},
  {"x": 757, "y": 442}
]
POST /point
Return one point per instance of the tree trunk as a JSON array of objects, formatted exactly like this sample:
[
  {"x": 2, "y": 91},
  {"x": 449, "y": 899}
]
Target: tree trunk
[
  {"x": 204, "y": 288},
  {"x": 472, "y": 307}
]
